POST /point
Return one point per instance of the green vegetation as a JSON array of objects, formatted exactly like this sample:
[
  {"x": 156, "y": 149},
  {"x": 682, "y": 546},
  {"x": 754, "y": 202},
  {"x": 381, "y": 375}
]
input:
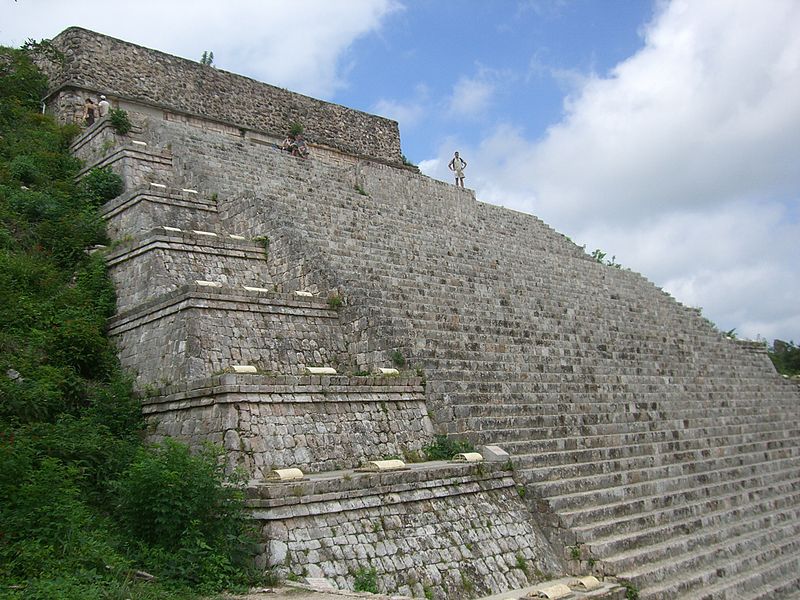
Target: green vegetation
[
  {"x": 207, "y": 58},
  {"x": 631, "y": 591},
  {"x": 786, "y": 358},
  {"x": 295, "y": 128},
  {"x": 398, "y": 360},
  {"x": 84, "y": 506},
  {"x": 335, "y": 301},
  {"x": 466, "y": 584},
  {"x": 445, "y": 448},
  {"x": 100, "y": 185},
  {"x": 264, "y": 241},
  {"x": 365, "y": 580},
  {"x": 521, "y": 563},
  {"x": 600, "y": 257},
  {"x": 119, "y": 121}
]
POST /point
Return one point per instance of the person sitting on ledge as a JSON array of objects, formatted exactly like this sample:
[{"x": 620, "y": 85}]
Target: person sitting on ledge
[
  {"x": 288, "y": 144},
  {"x": 300, "y": 149}
]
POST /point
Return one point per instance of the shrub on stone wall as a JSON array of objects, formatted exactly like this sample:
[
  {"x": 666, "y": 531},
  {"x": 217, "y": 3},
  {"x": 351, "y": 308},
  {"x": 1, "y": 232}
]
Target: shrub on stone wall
[
  {"x": 119, "y": 121},
  {"x": 101, "y": 185},
  {"x": 186, "y": 513},
  {"x": 445, "y": 448}
]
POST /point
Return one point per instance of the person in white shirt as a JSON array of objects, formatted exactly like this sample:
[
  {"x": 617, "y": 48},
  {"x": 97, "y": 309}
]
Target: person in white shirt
[
  {"x": 457, "y": 165},
  {"x": 103, "y": 106}
]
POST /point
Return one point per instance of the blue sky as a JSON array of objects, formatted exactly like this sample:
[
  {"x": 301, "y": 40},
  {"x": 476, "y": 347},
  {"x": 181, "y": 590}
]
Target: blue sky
[
  {"x": 663, "y": 132},
  {"x": 504, "y": 61}
]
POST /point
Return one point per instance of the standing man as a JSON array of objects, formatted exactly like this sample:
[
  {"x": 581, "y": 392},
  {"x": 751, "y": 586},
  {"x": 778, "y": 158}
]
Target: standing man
[
  {"x": 103, "y": 106},
  {"x": 457, "y": 165}
]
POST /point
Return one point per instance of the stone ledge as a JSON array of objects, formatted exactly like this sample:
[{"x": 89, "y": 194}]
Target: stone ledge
[
  {"x": 198, "y": 296},
  {"x": 191, "y": 240},
  {"x": 127, "y": 152},
  {"x": 348, "y": 490},
  {"x": 284, "y": 389},
  {"x": 170, "y": 196},
  {"x": 296, "y": 396},
  {"x": 90, "y": 134}
]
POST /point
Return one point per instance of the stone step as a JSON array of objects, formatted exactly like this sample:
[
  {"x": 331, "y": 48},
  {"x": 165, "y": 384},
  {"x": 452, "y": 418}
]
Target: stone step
[
  {"x": 775, "y": 579},
  {"x": 628, "y": 538},
  {"x": 583, "y": 410},
  {"x": 741, "y": 541},
  {"x": 624, "y": 495},
  {"x": 607, "y": 484},
  {"x": 588, "y": 514},
  {"x": 678, "y": 572},
  {"x": 521, "y": 388},
  {"x": 593, "y": 423},
  {"x": 582, "y": 464},
  {"x": 524, "y": 441},
  {"x": 648, "y": 517},
  {"x": 564, "y": 478}
]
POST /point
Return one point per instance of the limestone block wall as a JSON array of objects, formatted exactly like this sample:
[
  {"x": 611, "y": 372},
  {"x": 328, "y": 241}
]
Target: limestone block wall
[
  {"x": 311, "y": 422},
  {"x": 196, "y": 331},
  {"x": 100, "y": 64},
  {"x": 163, "y": 260},
  {"x": 138, "y": 167},
  {"x": 97, "y": 141},
  {"x": 263, "y": 193},
  {"x": 450, "y": 532},
  {"x": 147, "y": 208}
]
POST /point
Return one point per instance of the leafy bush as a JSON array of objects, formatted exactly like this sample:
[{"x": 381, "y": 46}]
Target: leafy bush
[
  {"x": 187, "y": 515},
  {"x": 398, "y": 360},
  {"x": 101, "y": 185},
  {"x": 335, "y": 301},
  {"x": 365, "y": 580},
  {"x": 445, "y": 448},
  {"x": 119, "y": 121},
  {"x": 23, "y": 84},
  {"x": 786, "y": 357},
  {"x": 24, "y": 169}
]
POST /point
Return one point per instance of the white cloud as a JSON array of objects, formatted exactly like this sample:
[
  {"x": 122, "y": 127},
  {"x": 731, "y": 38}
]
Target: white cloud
[
  {"x": 740, "y": 264},
  {"x": 705, "y": 113},
  {"x": 430, "y": 167},
  {"x": 471, "y": 97},
  {"x": 682, "y": 162},
  {"x": 298, "y": 45},
  {"x": 407, "y": 113}
]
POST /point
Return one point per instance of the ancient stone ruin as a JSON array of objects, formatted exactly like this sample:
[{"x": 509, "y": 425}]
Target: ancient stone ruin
[{"x": 264, "y": 301}]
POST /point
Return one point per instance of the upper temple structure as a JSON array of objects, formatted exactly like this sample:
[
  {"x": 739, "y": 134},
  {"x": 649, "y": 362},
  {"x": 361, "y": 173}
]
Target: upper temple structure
[{"x": 333, "y": 321}]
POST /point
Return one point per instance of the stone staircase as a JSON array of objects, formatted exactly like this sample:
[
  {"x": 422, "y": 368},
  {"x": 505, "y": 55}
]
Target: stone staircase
[
  {"x": 654, "y": 448},
  {"x": 204, "y": 294}
]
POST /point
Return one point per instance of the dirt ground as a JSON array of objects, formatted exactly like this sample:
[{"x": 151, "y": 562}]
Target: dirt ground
[{"x": 301, "y": 593}]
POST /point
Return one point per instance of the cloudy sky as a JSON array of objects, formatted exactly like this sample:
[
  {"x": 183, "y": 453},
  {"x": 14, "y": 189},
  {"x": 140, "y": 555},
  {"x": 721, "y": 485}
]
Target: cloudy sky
[{"x": 666, "y": 133}]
